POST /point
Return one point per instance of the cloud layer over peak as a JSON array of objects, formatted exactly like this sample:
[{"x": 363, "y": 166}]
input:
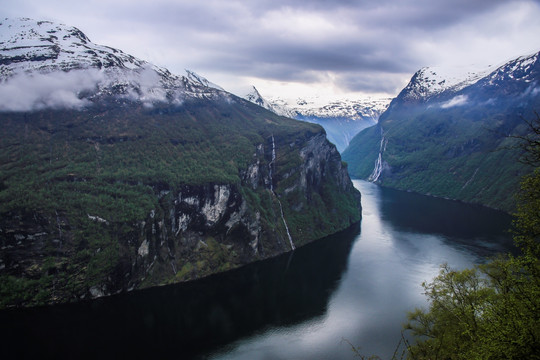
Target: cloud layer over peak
[
  {"x": 343, "y": 45},
  {"x": 24, "y": 92}
]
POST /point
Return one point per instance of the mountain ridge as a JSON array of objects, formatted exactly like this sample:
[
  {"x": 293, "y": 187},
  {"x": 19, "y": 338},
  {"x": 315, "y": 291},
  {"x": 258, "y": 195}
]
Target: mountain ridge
[
  {"x": 38, "y": 51},
  {"x": 453, "y": 141},
  {"x": 429, "y": 82}
]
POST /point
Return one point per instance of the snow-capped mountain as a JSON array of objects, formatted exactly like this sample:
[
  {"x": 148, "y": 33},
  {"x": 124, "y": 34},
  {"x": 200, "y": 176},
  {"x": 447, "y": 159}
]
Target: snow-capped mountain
[
  {"x": 429, "y": 82},
  {"x": 524, "y": 69},
  {"x": 95, "y": 141},
  {"x": 358, "y": 109},
  {"x": 342, "y": 119},
  {"x": 78, "y": 71},
  {"x": 255, "y": 97},
  {"x": 453, "y": 133},
  {"x": 202, "y": 81}
]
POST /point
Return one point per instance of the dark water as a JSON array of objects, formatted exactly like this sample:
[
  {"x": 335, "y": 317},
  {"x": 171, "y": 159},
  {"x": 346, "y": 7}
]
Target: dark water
[{"x": 356, "y": 285}]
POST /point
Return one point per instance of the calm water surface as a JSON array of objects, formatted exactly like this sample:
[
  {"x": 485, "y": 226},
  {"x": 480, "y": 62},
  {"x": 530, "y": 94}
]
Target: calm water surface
[{"x": 356, "y": 285}]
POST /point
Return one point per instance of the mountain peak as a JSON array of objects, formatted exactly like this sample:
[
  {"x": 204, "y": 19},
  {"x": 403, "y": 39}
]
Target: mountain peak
[
  {"x": 198, "y": 79},
  {"x": 432, "y": 81},
  {"x": 255, "y": 97},
  {"x": 30, "y": 45},
  {"x": 49, "y": 60},
  {"x": 255, "y": 91}
]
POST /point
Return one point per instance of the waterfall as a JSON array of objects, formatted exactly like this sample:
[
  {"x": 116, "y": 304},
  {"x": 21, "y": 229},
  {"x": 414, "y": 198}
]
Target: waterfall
[
  {"x": 379, "y": 163},
  {"x": 270, "y": 166},
  {"x": 285, "y": 223}
]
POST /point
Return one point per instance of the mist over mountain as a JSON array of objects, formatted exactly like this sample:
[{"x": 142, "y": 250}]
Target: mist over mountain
[
  {"x": 116, "y": 174},
  {"x": 449, "y": 133},
  {"x": 50, "y": 65}
]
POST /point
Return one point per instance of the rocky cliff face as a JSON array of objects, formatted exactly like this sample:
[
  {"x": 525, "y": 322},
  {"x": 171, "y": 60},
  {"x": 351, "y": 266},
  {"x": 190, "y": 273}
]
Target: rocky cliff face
[
  {"x": 216, "y": 227},
  {"x": 294, "y": 189}
]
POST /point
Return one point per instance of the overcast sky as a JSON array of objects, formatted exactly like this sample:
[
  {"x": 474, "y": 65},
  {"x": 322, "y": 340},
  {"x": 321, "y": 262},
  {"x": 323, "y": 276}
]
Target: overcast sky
[{"x": 342, "y": 48}]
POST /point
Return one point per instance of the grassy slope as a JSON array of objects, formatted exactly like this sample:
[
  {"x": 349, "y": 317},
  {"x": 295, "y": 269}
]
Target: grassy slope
[
  {"x": 362, "y": 152},
  {"x": 112, "y": 162},
  {"x": 461, "y": 152},
  {"x": 107, "y": 156}
]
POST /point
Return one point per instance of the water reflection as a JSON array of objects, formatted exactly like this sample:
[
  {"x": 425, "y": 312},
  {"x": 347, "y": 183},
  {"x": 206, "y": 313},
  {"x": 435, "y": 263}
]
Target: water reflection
[
  {"x": 356, "y": 285},
  {"x": 190, "y": 319},
  {"x": 399, "y": 247},
  {"x": 480, "y": 229}
]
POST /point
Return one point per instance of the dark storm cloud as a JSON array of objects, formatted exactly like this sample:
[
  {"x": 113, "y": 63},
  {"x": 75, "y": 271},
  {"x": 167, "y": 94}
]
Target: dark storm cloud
[
  {"x": 293, "y": 40},
  {"x": 364, "y": 45}
]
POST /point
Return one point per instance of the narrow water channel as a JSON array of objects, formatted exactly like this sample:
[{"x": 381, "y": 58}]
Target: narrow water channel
[{"x": 355, "y": 286}]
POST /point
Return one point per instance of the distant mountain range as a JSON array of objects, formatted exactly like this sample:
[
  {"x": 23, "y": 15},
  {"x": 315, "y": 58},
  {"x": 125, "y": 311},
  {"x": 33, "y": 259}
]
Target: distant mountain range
[
  {"x": 116, "y": 174},
  {"x": 342, "y": 119},
  {"x": 448, "y": 133}
]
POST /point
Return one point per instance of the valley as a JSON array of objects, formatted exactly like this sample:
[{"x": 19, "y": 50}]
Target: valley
[
  {"x": 342, "y": 119},
  {"x": 146, "y": 212}
]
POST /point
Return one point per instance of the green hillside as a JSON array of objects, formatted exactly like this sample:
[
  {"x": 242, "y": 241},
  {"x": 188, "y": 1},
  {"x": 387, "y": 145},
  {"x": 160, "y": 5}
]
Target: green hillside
[
  {"x": 459, "y": 145},
  {"x": 121, "y": 196}
]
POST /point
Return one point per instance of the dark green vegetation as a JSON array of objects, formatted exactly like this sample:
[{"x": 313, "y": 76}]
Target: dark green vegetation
[
  {"x": 444, "y": 153},
  {"x": 493, "y": 310},
  {"x": 119, "y": 196},
  {"x": 463, "y": 151},
  {"x": 363, "y": 151},
  {"x": 109, "y": 155}
]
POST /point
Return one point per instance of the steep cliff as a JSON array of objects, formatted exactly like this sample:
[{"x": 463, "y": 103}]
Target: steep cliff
[
  {"x": 116, "y": 198},
  {"x": 116, "y": 174}
]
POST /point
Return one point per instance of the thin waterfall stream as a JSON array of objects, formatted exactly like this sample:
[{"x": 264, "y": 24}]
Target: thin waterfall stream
[
  {"x": 270, "y": 166},
  {"x": 378, "y": 163}
]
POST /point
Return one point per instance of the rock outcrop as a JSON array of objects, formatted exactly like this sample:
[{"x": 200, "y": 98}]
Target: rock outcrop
[{"x": 295, "y": 189}]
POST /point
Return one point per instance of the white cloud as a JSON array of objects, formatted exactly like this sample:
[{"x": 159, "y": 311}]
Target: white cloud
[
  {"x": 363, "y": 44},
  {"x": 459, "y": 100},
  {"x": 26, "y": 92},
  {"x": 70, "y": 90}
]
